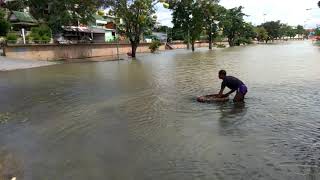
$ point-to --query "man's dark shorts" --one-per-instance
(242, 89)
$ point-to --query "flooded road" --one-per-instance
(135, 120)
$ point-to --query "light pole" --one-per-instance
(305, 23)
(118, 37)
(264, 17)
(310, 9)
(188, 45)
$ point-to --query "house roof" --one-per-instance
(22, 17)
(83, 29)
(98, 17)
(109, 16)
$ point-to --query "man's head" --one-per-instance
(222, 74)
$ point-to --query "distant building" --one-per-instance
(79, 34)
(162, 37)
(21, 20)
(106, 23)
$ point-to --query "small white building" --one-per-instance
(107, 23)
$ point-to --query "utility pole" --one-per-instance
(188, 45)
(166, 35)
(23, 35)
(117, 36)
(190, 16)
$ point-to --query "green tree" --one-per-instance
(162, 29)
(261, 33)
(101, 13)
(213, 15)
(247, 33)
(233, 24)
(136, 16)
(291, 32)
(58, 13)
(284, 29)
(273, 29)
(4, 24)
(197, 24)
(181, 18)
(41, 34)
(300, 30)
(17, 5)
(178, 34)
(317, 31)
(167, 30)
(12, 38)
(188, 18)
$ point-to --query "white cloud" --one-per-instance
(292, 12)
(164, 15)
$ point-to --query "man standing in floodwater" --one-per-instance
(234, 84)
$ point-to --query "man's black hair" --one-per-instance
(222, 72)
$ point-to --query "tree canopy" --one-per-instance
(300, 30)
(57, 13)
(213, 16)
(182, 17)
(317, 32)
(273, 29)
(233, 24)
(60, 12)
(4, 24)
(261, 33)
(137, 16)
(17, 5)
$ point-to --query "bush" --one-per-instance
(242, 40)
(41, 34)
(42, 30)
(46, 39)
(154, 46)
(28, 38)
(35, 38)
(221, 46)
(12, 38)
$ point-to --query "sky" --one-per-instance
(291, 12)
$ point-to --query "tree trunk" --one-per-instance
(133, 49)
(188, 45)
(210, 40)
(192, 46)
(231, 43)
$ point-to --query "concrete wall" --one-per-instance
(51, 52)
(180, 45)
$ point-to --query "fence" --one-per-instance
(76, 51)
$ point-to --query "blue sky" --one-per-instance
(292, 12)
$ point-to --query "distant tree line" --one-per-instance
(192, 19)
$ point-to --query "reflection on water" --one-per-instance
(9, 166)
(231, 114)
(139, 119)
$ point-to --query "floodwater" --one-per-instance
(138, 120)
